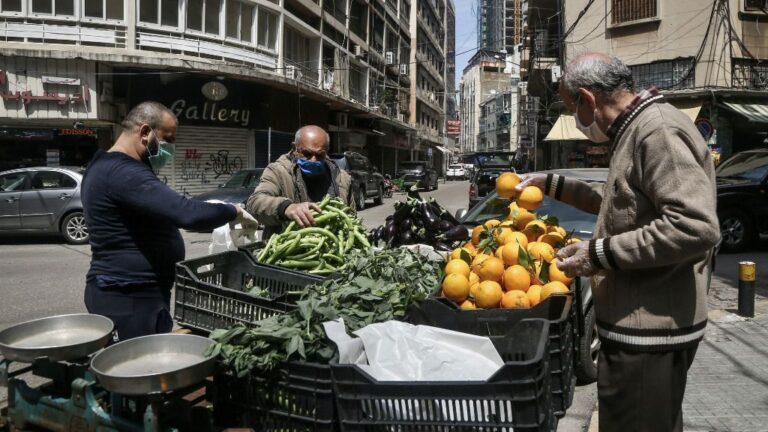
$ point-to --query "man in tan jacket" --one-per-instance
(290, 186)
(651, 251)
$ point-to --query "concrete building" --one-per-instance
(241, 75)
(707, 58)
(483, 75)
(500, 24)
(498, 121)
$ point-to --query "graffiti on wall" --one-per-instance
(195, 167)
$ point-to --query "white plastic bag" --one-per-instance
(226, 238)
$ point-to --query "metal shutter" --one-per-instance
(281, 144)
(206, 157)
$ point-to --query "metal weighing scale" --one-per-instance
(148, 384)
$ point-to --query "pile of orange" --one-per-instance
(509, 263)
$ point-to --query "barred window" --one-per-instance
(748, 73)
(756, 5)
(623, 11)
(665, 74)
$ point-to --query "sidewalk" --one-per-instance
(727, 387)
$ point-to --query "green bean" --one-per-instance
(363, 241)
(333, 257)
(263, 253)
(299, 264)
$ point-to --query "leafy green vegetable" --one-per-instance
(375, 287)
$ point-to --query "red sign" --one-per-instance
(27, 97)
(453, 127)
(77, 132)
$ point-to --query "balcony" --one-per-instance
(429, 134)
(67, 32)
(424, 62)
(430, 99)
(747, 74)
(295, 69)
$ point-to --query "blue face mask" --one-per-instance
(311, 168)
(163, 154)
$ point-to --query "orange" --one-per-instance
(456, 254)
(468, 305)
(530, 198)
(534, 229)
(553, 288)
(516, 277)
(476, 234)
(499, 253)
(505, 184)
(558, 229)
(457, 266)
(473, 278)
(507, 224)
(473, 289)
(505, 236)
(572, 240)
(541, 251)
(534, 295)
(456, 287)
(510, 253)
(470, 248)
(488, 295)
(523, 218)
(555, 274)
(491, 268)
(521, 238)
(535, 279)
(553, 239)
(477, 260)
(492, 223)
(515, 300)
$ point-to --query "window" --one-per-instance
(10, 5)
(103, 9)
(623, 11)
(239, 20)
(162, 12)
(665, 74)
(748, 73)
(52, 180)
(296, 46)
(267, 29)
(756, 5)
(203, 15)
(51, 7)
(12, 182)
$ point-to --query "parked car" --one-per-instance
(456, 171)
(367, 181)
(742, 202)
(237, 189)
(417, 173)
(573, 220)
(488, 167)
(43, 200)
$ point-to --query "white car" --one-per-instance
(456, 172)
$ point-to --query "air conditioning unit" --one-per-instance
(292, 72)
(359, 51)
(401, 117)
(390, 58)
(342, 120)
(404, 69)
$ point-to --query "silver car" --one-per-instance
(43, 200)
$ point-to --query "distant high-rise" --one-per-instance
(500, 24)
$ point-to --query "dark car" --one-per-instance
(237, 189)
(43, 200)
(488, 167)
(418, 173)
(742, 203)
(367, 182)
(581, 224)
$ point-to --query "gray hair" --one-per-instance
(601, 73)
(297, 137)
(149, 113)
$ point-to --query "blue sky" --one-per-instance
(466, 38)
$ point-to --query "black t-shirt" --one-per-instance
(133, 220)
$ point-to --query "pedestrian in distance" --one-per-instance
(134, 218)
(290, 186)
(650, 256)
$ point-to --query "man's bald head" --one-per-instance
(597, 72)
(311, 142)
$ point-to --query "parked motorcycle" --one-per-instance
(389, 186)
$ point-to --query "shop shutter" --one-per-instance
(281, 144)
(206, 157)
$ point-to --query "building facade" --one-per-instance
(241, 75)
(498, 121)
(483, 76)
(500, 24)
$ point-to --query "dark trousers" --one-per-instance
(136, 311)
(642, 392)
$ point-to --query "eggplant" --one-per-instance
(406, 224)
(445, 225)
(430, 220)
(374, 235)
(458, 232)
(390, 231)
(418, 222)
(405, 237)
(389, 218)
(442, 247)
(401, 213)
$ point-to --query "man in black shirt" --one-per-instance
(134, 218)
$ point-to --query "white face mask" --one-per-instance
(592, 131)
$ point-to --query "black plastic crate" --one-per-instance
(296, 397)
(211, 291)
(516, 397)
(558, 310)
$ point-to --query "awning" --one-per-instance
(565, 126)
(753, 112)
(565, 130)
(442, 150)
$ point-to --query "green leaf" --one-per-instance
(544, 273)
(522, 257)
(550, 220)
(466, 256)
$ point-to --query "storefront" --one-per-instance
(65, 147)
